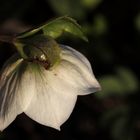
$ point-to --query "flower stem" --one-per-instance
(19, 47)
(12, 40)
(6, 39)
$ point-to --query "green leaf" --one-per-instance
(112, 115)
(137, 22)
(73, 8)
(111, 86)
(128, 78)
(122, 83)
(55, 29)
(119, 129)
(91, 3)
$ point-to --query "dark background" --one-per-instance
(113, 29)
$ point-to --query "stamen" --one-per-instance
(44, 63)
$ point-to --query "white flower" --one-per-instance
(47, 96)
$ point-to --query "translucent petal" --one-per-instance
(9, 82)
(57, 89)
(52, 103)
(16, 90)
(76, 71)
(47, 96)
(27, 85)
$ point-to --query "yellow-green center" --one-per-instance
(41, 50)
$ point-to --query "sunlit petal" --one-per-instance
(57, 89)
(52, 104)
(76, 71)
(48, 96)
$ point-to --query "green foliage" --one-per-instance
(97, 28)
(137, 22)
(99, 25)
(118, 120)
(74, 8)
(55, 29)
(120, 129)
(120, 84)
(91, 3)
(121, 115)
(128, 79)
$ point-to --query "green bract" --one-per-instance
(39, 49)
(56, 27)
(39, 44)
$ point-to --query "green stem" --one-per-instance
(19, 48)
(17, 44)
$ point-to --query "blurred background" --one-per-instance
(113, 29)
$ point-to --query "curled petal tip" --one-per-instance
(2, 126)
(1, 129)
(58, 128)
(94, 89)
(97, 86)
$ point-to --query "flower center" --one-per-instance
(43, 63)
(44, 51)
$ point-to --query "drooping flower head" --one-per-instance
(44, 78)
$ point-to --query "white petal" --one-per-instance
(16, 89)
(76, 70)
(52, 103)
(57, 89)
(9, 107)
(75, 57)
(26, 85)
